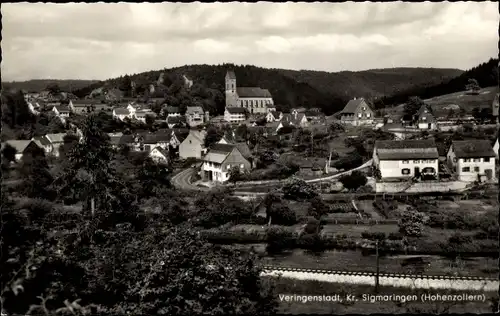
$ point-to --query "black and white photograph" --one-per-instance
(249, 158)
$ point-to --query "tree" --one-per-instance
(296, 188)
(150, 120)
(412, 106)
(126, 85)
(69, 142)
(279, 238)
(152, 179)
(8, 154)
(212, 137)
(317, 208)
(281, 215)
(53, 88)
(412, 223)
(472, 86)
(36, 175)
(235, 175)
(353, 180)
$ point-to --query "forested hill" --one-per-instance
(38, 85)
(486, 75)
(290, 88)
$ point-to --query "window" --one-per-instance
(360, 115)
(406, 161)
(364, 108)
(246, 103)
(228, 167)
(405, 171)
(242, 166)
(465, 169)
(368, 115)
(424, 118)
(486, 159)
(476, 169)
(454, 159)
(416, 161)
(477, 159)
(467, 160)
(190, 141)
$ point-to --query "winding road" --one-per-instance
(182, 180)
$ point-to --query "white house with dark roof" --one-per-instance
(357, 112)
(472, 160)
(295, 119)
(195, 115)
(425, 119)
(20, 146)
(235, 114)
(274, 116)
(254, 99)
(141, 115)
(61, 110)
(50, 143)
(172, 111)
(122, 113)
(405, 159)
(220, 159)
(159, 155)
(194, 145)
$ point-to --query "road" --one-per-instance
(182, 181)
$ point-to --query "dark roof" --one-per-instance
(235, 110)
(253, 92)
(172, 109)
(175, 119)
(406, 149)
(126, 139)
(473, 148)
(230, 74)
(276, 114)
(157, 138)
(352, 105)
(163, 151)
(85, 102)
(222, 148)
(405, 144)
(244, 150)
(121, 111)
(62, 108)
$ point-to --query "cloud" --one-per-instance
(101, 40)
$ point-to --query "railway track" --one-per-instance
(385, 279)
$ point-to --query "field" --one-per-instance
(301, 287)
(456, 101)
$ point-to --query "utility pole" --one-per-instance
(378, 268)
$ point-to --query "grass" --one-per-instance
(306, 287)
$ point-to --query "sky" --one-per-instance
(101, 40)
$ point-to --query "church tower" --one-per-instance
(231, 95)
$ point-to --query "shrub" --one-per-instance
(373, 236)
(412, 223)
(279, 239)
(395, 236)
(311, 242)
(351, 161)
(318, 208)
(296, 189)
(282, 215)
(353, 180)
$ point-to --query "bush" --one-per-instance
(279, 239)
(351, 161)
(395, 236)
(297, 189)
(373, 236)
(318, 208)
(353, 180)
(311, 242)
(282, 215)
(412, 223)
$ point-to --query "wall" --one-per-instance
(393, 168)
(396, 280)
(471, 175)
(187, 149)
(391, 187)
(259, 104)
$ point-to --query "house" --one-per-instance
(218, 162)
(313, 115)
(83, 106)
(472, 160)
(51, 143)
(195, 115)
(242, 147)
(141, 115)
(122, 113)
(21, 147)
(496, 148)
(172, 111)
(61, 110)
(295, 119)
(271, 108)
(312, 167)
(193, 146)
(273, 128)
(114, 139)
(162, 139)
(297, 111)
(253, 99)
(425, 119)
(235, 114)
(175, 121)
(403, 159)
(159, 155)
(495, 107)
(33, 107)
(357, 112)
(274, 116)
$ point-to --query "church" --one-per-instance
(254, 99)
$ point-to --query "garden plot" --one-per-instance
(356, 230)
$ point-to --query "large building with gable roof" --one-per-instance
(253, 99)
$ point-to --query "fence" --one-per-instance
(419, 187)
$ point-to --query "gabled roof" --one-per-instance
(292, 119)
(172, 109)
(56, 138)
(230, 74)
(157, 138)
(144, 113)
(472, 148)
(236, 110)
(253, 92)
(18, 145)
(62, 108)
(161, 150)
(175, 119)
(115, 138)
(194, 109)
(127, 139)
(219, 152)
(276, 114)
(406, 149)
(42, 140)
(198, 135)
(121, 111)
(352, 105)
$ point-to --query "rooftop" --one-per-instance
(473, 149)
(236, 110)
